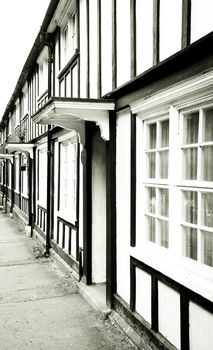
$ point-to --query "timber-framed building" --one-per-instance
(106, 158)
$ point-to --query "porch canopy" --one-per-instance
(71, 114)
(20, 147)
(5, 156)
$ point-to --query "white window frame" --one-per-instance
(43, 71)
(42, 176)
(66, 210)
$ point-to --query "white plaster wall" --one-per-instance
(144, 34)
(170, 27)
(83, 48)
(143, 294)
(98, 209)
(81, 200)
(169, 314)
(201, 328)
(93, 47)
(106, 45)
(123, 41)
(123, 203)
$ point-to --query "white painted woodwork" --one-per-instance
(93, 53)
(83, 48)
(123, 203)
(98, 209)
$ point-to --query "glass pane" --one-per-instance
(164, 233)
(207, 209)
(190, 242)
(208, 132)
(151, 199)
(190, 207)
(207, 163)
(165, 133)
(164, 201)
(164, 164)
(151, 165)
(190, 157)
(207, 248)
(201, 18)
(191, 125)
(151, 229)
(152, 136)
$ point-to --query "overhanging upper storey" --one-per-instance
(72, 113)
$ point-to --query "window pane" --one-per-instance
(151, 165)
(201, 18)
(190, 242)
(190, 207)
(151, 199)
(151, 229)
(191, 126)
(164, 164)
(207, 248)
(152, 136)
(164, 236)
(190, 158)
(165, 133)
(164, 201)
(207, 209)
(208, 133)
(207, 163)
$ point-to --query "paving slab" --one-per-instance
(40, 304)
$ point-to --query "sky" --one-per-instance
(20, 22)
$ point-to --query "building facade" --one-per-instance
(106, 157)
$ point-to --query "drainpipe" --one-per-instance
(47, 41)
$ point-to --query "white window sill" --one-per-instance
(67, 217)
(192, 274)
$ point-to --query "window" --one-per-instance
(17, 173)
(157, 192)
(69, 38)
(68, 178)
(197, 158)
(42, 177)
(24, 176)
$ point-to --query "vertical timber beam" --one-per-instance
(156, 31)
(133, 37)
(111, 283)
(186, 23)
(87, 206)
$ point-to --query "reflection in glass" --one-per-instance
(207, 163)
(207, 209)
(190, 157)
(192, 125)
(151, 199)
(190, 242)
(164, 201)
(151, 164)
(164, 236)
(207, 248)
(164, 164)
(190, 206)
(152, 136)
(208, 132)
(151, 229)
(165, 133)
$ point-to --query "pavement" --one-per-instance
(40, 304)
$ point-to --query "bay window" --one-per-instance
(157, 209)
(178, 182)
(68, 178)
